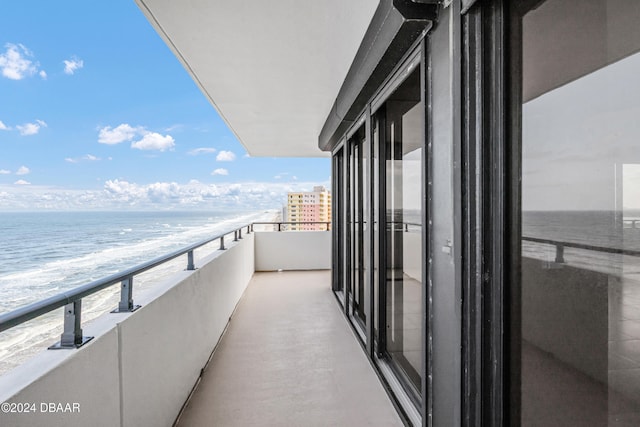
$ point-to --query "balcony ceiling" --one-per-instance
(272, 69)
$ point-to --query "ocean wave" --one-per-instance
(20, 288)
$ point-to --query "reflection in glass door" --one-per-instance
(338, 218)
(383, 162)
(377, 125)
(404, 141)
(579, 305)
(358, 190)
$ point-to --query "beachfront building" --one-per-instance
(484, 158)
(311, 209)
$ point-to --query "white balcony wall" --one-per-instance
(140, 367)
(412, 254)
(293, 250)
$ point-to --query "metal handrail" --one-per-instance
(72, 336)
(73, 296)
(281, 223)
(405, 223)
(560, 245)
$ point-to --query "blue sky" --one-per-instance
(97, 113)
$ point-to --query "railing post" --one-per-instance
(126, 297)
(72, 334)
(252, 227)
(235, 235)
(559, 253)
(222, 248)
(279, 226)
(190, 263)
(406, 227)
(239, 233)
(248, 229)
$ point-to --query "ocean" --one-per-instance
(607, 229)
(45, 253)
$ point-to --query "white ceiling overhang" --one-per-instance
(272, 69)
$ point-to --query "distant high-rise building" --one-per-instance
(309, 207)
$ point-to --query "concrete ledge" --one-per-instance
(140, 367)
(293, 250)
(87, 377)
(159, 369)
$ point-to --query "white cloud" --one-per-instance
(154, 141)
(203, 150)
(31, 128)
(225, 156)
(15, 63)
(3, 126)
(23, 170)
(197, 195)
(73, 64)
(88, 157)
(134, 194)
(220, 171)
(4, 172)
(126, 132)
(119, 134)
(173, 127)
(22, 182)
(43, 74)
(123, 195)
(286, 175)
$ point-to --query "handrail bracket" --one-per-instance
(126, 304)
(72, 335)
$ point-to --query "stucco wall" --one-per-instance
(140, 367)
(295, 250)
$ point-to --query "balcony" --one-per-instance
(253, 335)
(300, 366)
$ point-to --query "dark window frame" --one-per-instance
(491, 227)
(416, 55)
(357, 135)
(337, 252)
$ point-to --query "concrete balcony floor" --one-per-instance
(289, 358)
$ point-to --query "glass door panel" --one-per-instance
(580, 288)
(375, 205)
(404, 123)
(338, 218)
(359, 185)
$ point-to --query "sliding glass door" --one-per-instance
(359, 182)
(337, 206)
(403, 117)
(578, 311)
(383, 235)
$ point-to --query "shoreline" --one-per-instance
(19, 344)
